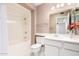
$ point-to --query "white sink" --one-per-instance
(63, 37)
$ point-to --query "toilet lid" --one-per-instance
(36, 46)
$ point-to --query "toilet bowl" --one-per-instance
(36, 48)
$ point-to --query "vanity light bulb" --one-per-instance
(58, 5)
(68, 3)
(62, 4)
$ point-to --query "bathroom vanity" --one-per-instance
(61, 45)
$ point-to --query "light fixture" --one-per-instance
(53, 8)
(68, 3)
(62, 4)
(58, 5)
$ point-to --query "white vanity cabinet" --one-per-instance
(52, 48)
(61, 48)
(70, 49)
(68, 52)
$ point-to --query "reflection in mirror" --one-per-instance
(65, 22)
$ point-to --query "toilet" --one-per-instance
(36, 48)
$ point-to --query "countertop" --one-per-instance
(60, 37)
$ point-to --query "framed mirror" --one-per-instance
(65, 22)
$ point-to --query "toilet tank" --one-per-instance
(40, 39)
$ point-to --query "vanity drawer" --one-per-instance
(72, 46)
(53, 43)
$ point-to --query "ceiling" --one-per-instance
(37, 4)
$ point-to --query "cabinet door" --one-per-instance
(51, 50)
(68, 52)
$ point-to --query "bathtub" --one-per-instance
(20, 49)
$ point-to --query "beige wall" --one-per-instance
(43, 13)
(42, 18)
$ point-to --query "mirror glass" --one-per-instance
(65, 22)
